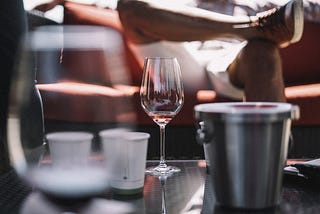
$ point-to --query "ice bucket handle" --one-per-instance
(202, 133)
(295, 112)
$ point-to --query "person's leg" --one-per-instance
(148, 21)
(258, 70)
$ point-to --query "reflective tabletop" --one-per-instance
(189, 191)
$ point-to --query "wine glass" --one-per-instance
(162, 98)
(67, 161)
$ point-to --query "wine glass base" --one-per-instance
(160, 170)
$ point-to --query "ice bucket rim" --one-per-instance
(247, 110)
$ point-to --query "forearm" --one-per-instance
(163, 20)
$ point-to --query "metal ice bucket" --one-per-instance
(247, 147)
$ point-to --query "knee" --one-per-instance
(135, 18)
(258, 60)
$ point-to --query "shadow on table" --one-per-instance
(209, 206)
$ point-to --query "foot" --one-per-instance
(282, 25)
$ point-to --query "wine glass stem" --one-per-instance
(162, 146)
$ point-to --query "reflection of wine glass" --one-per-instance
(162, 98)
(163, 179)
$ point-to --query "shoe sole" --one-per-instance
(296, 6)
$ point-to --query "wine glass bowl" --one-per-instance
(162, 98)
(66, 161)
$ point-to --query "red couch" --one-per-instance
(301, 74)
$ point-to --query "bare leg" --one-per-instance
(147, 21)
(258, 70)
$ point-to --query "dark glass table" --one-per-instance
(188, 192)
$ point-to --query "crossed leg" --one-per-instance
(257, 69)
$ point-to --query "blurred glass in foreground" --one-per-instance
(77, 71)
